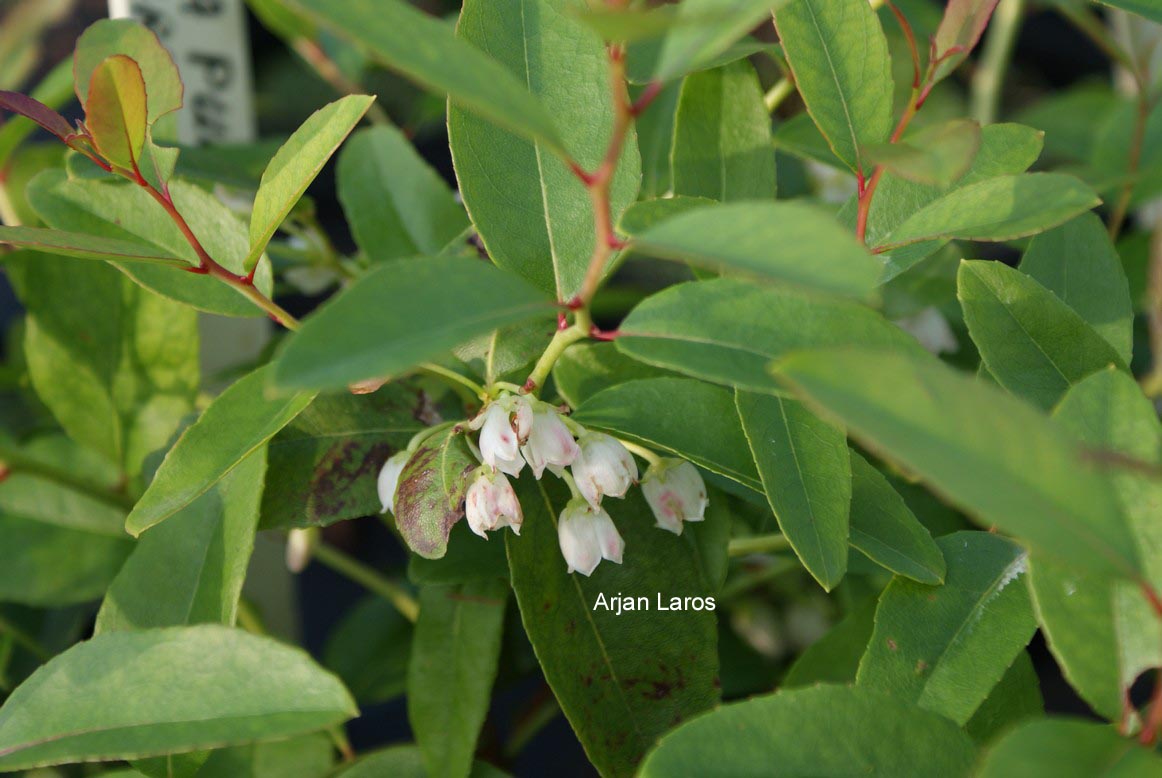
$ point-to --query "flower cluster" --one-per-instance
(514, 431)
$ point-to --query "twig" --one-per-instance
(994, 60)
(761, 544)
(352, 568)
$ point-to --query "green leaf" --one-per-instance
(396, 205)
(82, 246)
(324, 464)
(295, 166)
(116, 365)
(430, 496)
(997, 209)
(1103, 633)
(469, 558)
(785, 241)
(235, 425)
(885, 530)
(1147, 9)
(1032, 343)
(806, 474)
(645, 214)
(959, 31)
(193, 687)
(702, 30)
(623, 680)
(1078, 263)
(370, 648)
(655, 140)
(33, 109)
(108, 37)
(507, 353)
(425, 50)
(973, 444)
(797, 730)
(309, 756)
(1062, 748)
(190, 569)
(722, 136)
(839, 57)
(533, 214)
(799, 137)
(739, 328)
(115, 111)
(454, 656)
(834, 658)
(400, 314)
(937, 155)
(587, 368)
(123, 212)
(47, 565)
(404, 762)
(644, 411)
(1015, 699)
(944, 648)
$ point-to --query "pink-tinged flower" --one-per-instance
(603, 467)
(491, 504)
(388, 482)
(550, 443)
(587, 536)
(675, 492)
(500, 435)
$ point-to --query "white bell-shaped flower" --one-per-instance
(550, 443)
(491, 504)
(499, 437)
(587, 535)
(603, 467)
(388, 482)
(675, 492)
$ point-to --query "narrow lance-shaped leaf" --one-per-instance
(430, 497)
(1055, 747)
(194, 687)
(295, 166)
(959, 31)
(839, 56)
(239, 421)
(400, 314)
(944, 648)
(1035, 345)
(783, 241)
(425, 49)
(115, 111)
(806, 474)
(997, 209)
(935, 156)
(990, 454)
(38, 112)
(82, 246)
(453, 664)
(1147, 9)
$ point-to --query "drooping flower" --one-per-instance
(587, 535)
(675, 492)
(603, 467)
(491, 504)
(550, 444)
(388, 482)
(504, 425)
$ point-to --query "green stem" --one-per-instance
(779, 565)
(371, 580)
(582, 324)
(1133, 162)
(775, 96)
(451, 375)
(989, 78)
(641, 451)
(761, 544)
(15, 462)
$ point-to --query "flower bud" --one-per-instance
(388, 482)
(550, 443)
(675, 492)
(603, 467)
(499, 439)
(491, 504)
(587, 535)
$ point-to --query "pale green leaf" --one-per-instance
(1065, 748)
